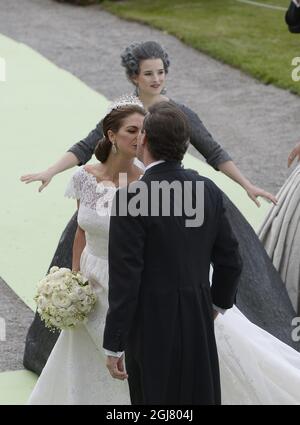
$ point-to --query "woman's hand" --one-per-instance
(45, 177)
(67, 161)
(254, 191)
(295, 153)
(231, 170)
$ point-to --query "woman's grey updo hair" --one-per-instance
(137, 52)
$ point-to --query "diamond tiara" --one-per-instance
(124, 101)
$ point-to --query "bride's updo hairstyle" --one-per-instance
(113, 121)
(137, 52)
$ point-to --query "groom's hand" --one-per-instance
(115, 365)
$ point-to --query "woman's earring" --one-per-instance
(136, 91)
(164, 91)
(113, 148)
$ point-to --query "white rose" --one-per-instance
(65, 270)
(53, 269)
(42, 302)
(47, 289)
(59, 274)
(72, 310)
(60, 299)
(74, 297)
(64, 313)
(62, 286)
(42, 282)
(80, 293)
(82, 307)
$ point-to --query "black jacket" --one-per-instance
(160, 299)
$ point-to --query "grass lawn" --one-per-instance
(252, 38)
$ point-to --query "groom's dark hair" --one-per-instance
(167, 131)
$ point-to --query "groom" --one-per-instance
(161, 305)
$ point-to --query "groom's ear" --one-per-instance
(144, 140)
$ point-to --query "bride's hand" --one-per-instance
(45, 177)
(254, 191)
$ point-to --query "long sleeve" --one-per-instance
(84, 149)
(226, 261)
(203, 141)
(126, 260)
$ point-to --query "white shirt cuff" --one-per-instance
(219, 309)
(296, 3)
(113, 353)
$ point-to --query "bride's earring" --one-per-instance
(113, 148)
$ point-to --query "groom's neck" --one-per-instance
(148, 158)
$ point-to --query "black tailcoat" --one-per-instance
(160, 299)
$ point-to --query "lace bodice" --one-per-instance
(94, 210)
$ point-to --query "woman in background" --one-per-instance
(280, 232)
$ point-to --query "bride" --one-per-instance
(75, 372)
(256, 368)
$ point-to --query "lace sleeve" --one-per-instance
(73, 189)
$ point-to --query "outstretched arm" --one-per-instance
(231, 170)
(68, 160)
(218, 158)
(78, 154)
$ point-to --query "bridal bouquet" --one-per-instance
(64, 299)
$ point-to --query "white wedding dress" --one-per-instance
(256, 368)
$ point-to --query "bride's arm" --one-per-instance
(78, 247)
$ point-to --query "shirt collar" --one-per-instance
(153, 164)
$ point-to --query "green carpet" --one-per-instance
(16, 386)
(43, 111)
